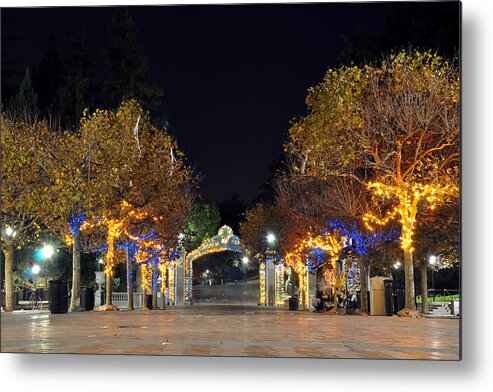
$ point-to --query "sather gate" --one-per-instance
(272, 273)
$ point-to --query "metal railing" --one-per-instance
(434, 293)
(120, 300)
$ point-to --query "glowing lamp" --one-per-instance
(47, 251)
(10, 232)
(35, 269)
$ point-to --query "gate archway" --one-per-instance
(225, 240)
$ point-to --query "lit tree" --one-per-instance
(415, 106)
(395, 128)
(68, 192)
(142, 178)
(19, 180)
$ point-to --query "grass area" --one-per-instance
(440, 298)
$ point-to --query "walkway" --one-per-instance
(209, 330)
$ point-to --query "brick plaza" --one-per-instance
(213, 330)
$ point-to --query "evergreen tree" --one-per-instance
(24, 105)
(74, 94)
(10, 63)
(232, 211)
(203, 222)
(47, 80)
(128, 66)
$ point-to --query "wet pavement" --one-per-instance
(213, 330)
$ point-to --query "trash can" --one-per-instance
(58, 296)
(399, 298)
(388, 294)
(87, 298)
(293, 303)
(377, 296)
(149, 301)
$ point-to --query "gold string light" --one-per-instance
(171, 283)
(279, 278)
(331, 243)
(408, 196)
(262, 300)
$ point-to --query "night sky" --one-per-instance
(233, 76)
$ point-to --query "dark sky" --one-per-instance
(233, 76)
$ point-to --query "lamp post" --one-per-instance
(269, 270)
(396, 266)
(35, 270)
(433, 260)
(46, 252)
(245, 260)
(271, 238)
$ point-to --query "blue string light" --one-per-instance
(361, 242)
(75, 222)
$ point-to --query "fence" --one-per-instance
(120, 300)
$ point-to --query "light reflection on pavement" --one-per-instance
(221, 330)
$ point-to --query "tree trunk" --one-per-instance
(130, 291)
(154, 285)
(154, 300)
(363, 286)
(409, 280)
(75, 299)
(294, 282)
(424, 287)
(303, 290)
(109, 289)
(143, 288)
(8, 251)
(109, 268)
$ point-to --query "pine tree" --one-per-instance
(74, 94)
(47, 80)
(24, 105)
(128, 66)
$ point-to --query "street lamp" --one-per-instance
(47, 251)
(433, 261)
(35, 270)
(271, 238)
(245, 260)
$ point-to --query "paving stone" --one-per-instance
(231, 331)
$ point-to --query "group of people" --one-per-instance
(325, 300)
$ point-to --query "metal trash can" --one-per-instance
(58, 296)
(149, 301)
(293, 303)
(103, 297)
(388, 295)
(87, 298)
(399, 298)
